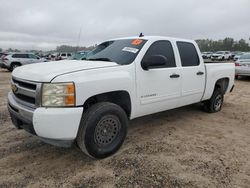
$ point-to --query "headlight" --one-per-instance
(58, 95)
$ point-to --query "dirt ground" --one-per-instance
(185, 147)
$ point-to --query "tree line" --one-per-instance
(67, 48)
(228, 44)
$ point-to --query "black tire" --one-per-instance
(237, 77)
(103, 129)
(215, 103)
(14, 65)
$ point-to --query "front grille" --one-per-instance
(26, 98)
(24, 84)
(26, 92)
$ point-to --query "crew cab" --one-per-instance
(90, 102)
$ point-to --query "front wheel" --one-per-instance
(14, 66)
(214, 104)
(103, 129)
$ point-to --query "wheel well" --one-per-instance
(222, 84)
(120, 98)
(17, 63)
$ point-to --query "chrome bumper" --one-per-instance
(21, 116)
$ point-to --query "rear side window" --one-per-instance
(188, 54)
(163, 48)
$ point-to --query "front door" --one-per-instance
(159, 87)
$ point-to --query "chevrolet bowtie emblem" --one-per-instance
(14, 88)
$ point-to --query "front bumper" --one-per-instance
(56, 126)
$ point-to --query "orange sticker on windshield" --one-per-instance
(136, 42)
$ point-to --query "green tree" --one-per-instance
(226, 44)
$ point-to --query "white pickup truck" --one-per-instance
(90, 102)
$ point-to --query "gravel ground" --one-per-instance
(185, 147)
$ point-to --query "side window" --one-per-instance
(24, 56)
(20, 56)
(163, 48)
(69, 55)
(31, 56)
(63, 54)
(15, 56)
(188, 53)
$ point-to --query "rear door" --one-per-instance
(193, 73)
(157, 88)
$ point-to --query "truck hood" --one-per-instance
(45, 72)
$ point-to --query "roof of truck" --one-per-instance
(155, 38)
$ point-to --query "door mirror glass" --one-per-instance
(154, 61)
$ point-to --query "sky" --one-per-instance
(43, 25)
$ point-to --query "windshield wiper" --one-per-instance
(100, 59)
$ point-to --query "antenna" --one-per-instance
(79, 38)
(141, 35)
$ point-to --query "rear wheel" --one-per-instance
(103, 129)
(214, 104)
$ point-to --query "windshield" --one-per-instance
(219, 52)
(122, 51)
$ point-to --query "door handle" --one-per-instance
(174, 76)
(200, 73)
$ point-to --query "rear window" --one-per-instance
(188, 54)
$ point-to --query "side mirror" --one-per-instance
(154, 61)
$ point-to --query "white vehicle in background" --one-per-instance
(237, 55)
(206, 55)
(63, 56)
(14, 60)
(242, 66)
(221, 55)
(90, 102)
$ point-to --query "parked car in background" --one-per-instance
(237, 55)
(206, 55)
(14, 60)
(242, 66)
(221, 55)
(63, 56)
(80, 55)
(2, 55)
